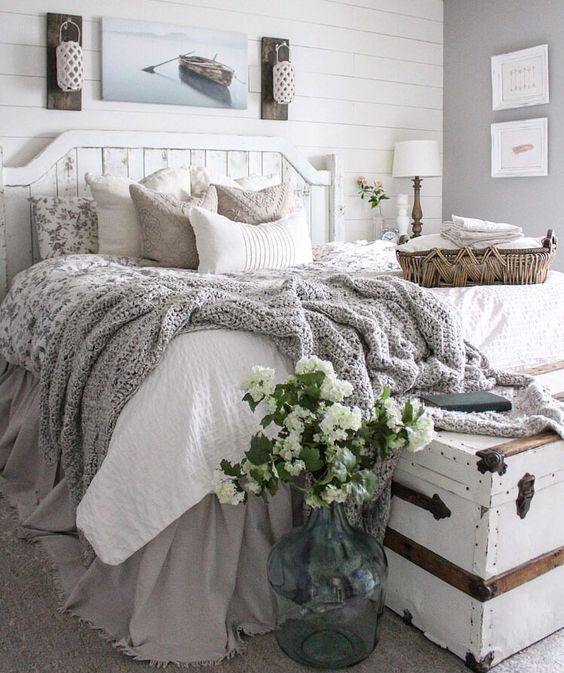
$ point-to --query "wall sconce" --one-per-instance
(65, 62)
(278, 78)
(70, 60)
(283, 79)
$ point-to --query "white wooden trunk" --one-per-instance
(482, 581)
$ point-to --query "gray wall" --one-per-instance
(475, 30)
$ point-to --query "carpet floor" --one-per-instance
(36, 638)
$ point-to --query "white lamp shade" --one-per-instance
(416, 157)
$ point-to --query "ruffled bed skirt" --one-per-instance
(186, 596)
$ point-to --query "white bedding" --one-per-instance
(188, 413)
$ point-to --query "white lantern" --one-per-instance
(283, 79)
(70, 61)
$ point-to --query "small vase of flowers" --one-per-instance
(374, 193)
(327, 578)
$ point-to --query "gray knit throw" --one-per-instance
(376, 332)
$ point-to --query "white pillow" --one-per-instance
(255, 183)
(172, 181)
(201, 178)
(431, 241)
(226, 246)
(118, 228)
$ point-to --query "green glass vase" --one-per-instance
(328, 582)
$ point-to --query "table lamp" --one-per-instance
(416, 159)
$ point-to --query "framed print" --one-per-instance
(520, 78)
(149, 62)
(520, 149)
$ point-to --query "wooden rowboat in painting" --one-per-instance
(209, 68)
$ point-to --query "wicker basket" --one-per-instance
(489, 266)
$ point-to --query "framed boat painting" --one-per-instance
(149, 62)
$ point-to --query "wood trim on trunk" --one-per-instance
(542, 369)
(521, 444)
(470, 584)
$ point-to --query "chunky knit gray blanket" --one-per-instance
(377, 332)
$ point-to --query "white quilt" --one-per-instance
(188, 413)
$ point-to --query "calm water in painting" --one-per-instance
(129, 46)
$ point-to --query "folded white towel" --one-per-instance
(471, 224)
(430, 241)
(474, 233)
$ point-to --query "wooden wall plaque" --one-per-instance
(57, 99)
(269, 108)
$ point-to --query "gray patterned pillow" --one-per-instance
(252, 207)
(65, 226)
(166, 232)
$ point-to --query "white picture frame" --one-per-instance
(520, 78)
(520, 148)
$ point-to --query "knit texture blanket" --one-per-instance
(376, 332)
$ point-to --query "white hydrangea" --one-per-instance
(252, 486)
(397, 443)
(291, 446)
(333, 494)
(313, 500)
(337, 420)
(226, 489)
(335, 390)
(393, 410)
(260, 383)
(271, 405)
(314, 364)
(295, 468)
(294, 421)
(421, 434)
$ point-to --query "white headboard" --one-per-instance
(60, 168)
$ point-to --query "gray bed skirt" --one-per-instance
(187, 596)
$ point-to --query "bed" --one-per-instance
(175, 573)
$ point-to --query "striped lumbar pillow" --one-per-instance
(225, 246)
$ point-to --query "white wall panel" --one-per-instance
(369, 73)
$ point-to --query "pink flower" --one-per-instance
(361, 181)
(380, 184)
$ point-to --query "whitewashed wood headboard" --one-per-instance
(60, 168)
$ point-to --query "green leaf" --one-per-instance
(283, 472)
(311, 458)
(347, 458)
(311, 378)
(408, 413)
(231, 470)
(273, 486)
(249, 400)
(267, 420)
(261, 449)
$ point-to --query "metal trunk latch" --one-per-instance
(491, 460)
(525, 494)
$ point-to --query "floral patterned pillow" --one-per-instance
(65, 226)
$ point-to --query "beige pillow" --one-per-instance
(266, 205)
(225, 246)
(166, 232)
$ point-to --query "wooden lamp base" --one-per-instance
(416, 213)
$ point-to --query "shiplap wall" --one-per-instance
(369, 72)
